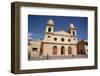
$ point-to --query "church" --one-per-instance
(58, 43)
(55, 43)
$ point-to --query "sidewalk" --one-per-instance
(59, 57)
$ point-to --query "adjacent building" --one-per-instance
(82, 47)
(34, 48)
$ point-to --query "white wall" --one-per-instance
(5, 33)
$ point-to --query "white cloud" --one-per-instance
(30, 35)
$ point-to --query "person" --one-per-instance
(47, 57)
(72, 55)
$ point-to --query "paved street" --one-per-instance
(58, 57)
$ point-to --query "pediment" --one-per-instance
(62, 32)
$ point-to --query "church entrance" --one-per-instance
(62, 50)
(54, 50)
(69, 50)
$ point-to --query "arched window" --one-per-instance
(49, 29)
(69, 50)
(73, 33)
(54, 50)
(62, 50)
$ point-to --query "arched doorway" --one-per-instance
(69, 50)
(54, 50)
(62, 50)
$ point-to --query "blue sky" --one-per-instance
(37, 24)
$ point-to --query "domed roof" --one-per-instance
(50, 22)
(72, 25)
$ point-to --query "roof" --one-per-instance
(72, 25)
(62, 32)
(50, 22)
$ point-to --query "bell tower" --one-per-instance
(49, 30)
(72, 30)
(50, 26)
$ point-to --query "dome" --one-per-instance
(72, 26)
(50, 22)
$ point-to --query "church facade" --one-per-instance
(59, 43)
(55, 43)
